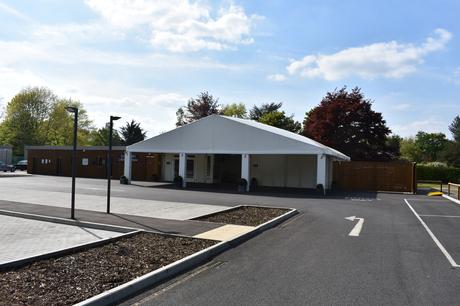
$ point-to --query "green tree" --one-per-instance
(430, 145)
(454, 128)
(100, 137)
(131, 133)
(271, 114)
(202, 106)
(451, 153)
(234, 110)
(58, 129)
(25, 116)
(258, 111)
(393, 144)
(280, 120)
(410, 151)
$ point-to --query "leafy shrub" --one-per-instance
(435, 171)
(435, 164)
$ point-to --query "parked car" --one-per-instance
(21, 165)
(4, 167)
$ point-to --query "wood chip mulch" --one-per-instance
(245, 215)
(74, 278)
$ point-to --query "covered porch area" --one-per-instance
(259, 170)
(238, 152)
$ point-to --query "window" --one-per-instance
(176, 167)
(208, 165)
(101, 161)
(190, 168)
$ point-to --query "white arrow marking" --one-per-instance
(358, 227)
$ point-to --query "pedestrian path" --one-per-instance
(21, 238)
(119, 205)
(178, 227)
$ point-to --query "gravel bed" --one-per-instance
(245, 215)
(73, 278)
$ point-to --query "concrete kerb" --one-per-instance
(155, 277)
(451, 199)
(234, 208)
(86, 224)
(62, 252)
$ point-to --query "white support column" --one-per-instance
(245, 166)
(321, 171)
(127, 170)
(183, 168)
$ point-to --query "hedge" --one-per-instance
(444, 174)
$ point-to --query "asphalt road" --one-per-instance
(311, 259)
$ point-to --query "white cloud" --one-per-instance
(101, 98)
(385, 59)
(429, 125)
(401, 107)
(19, 52)
(457, 72)
(15, 80)
(276, 77)
(179, 25)
(12, 11)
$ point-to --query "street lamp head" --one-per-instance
(113, 118)
(71, 109)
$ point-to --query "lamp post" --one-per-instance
(109, 161)
(73, 110)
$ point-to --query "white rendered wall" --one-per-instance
(200, 168)
(321, 170)
(128, 166)
(296, 171)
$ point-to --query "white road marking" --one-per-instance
(436, 241)
(358, 227)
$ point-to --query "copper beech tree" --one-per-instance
(345, 121)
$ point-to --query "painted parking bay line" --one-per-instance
(358, 227)
(435, 239)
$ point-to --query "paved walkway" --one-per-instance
(21, 238)
(185, 227)
(119, 205)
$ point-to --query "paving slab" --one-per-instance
(119, 205)
(21, 238)
(225, 232)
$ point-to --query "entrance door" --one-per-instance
(59, 166)
(152, 168)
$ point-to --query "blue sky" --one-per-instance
(143, 59)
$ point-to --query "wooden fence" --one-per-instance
(396, 176)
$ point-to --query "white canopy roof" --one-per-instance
(228, 135)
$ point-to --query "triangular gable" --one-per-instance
(226, 135)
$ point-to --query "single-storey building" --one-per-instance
(6, 154)
(91, 162)
(221, 149)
